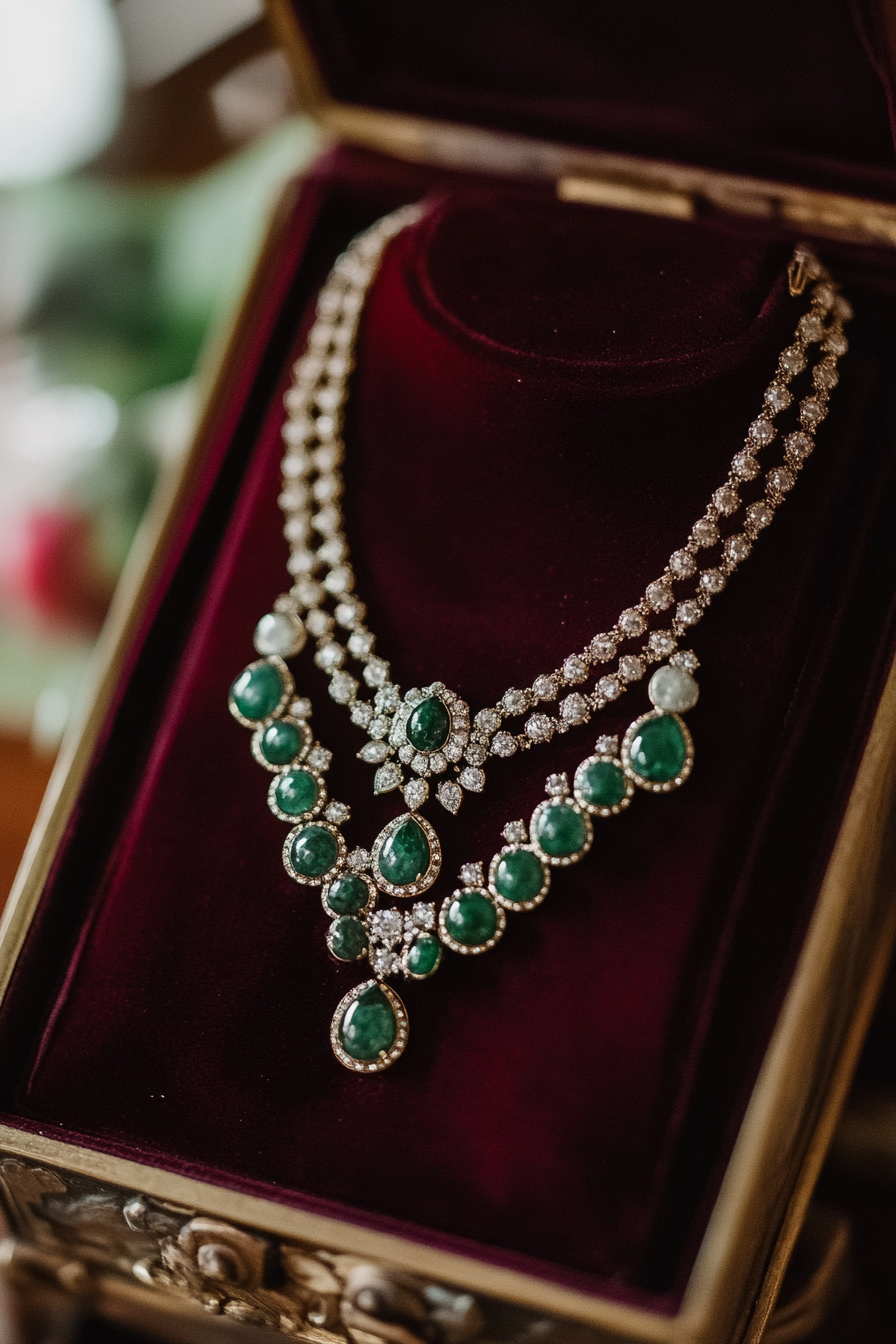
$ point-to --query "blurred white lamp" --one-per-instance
(61, 76)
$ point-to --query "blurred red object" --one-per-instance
(50, 569)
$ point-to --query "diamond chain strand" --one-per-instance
(311, 495)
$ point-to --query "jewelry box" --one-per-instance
(609, 1126)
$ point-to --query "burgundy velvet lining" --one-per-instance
(513, 480)
(752, 86)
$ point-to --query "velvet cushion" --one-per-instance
(546, 395)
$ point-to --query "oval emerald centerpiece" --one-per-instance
(429, 725)
(258, 690)
(405, 854)
(314, 851)
(658, 749)
(424, 954)
(368, 1028)
(561, 831)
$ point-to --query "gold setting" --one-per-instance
(592, 808)
(344, 871)
(307, 740)
(295, 818)
(561, 860)
(288, 692)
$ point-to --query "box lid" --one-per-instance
(798, 92)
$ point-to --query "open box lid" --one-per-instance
(783, 111)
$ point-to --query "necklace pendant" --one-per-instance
(407, 857)
(370, 1028)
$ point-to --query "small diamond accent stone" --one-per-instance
(745, 466)
(387, 778)
(349, 611)
(661, 643)
(798, 445)
(379, 727)
(726, 499)
(793, 360)
(673, 689)
(812, 412)
(337, 813)
(825, 376)
(737, 548)
(420, 763)
(688, 613)
(712, 581)
(471, 875)
(406, 753)
(454, 748)
(631, 622)
(574, 709)
(319, 758)
(318, 623)
(631, 668)
(606, 745)
(759, 516)
(488, 721)
(361, 714)
(476, 753)
(376, 672)
(705, 532)
(682, 564)
(824, 295)
(450, 796)
(659, 596)
(761, 433)
(781, 480)
(836, 343)
(473, 779)
(358, 860)
(416, 792)
(342, 687)
(539, 728)
(373, 752)
(308, 592)
(545, 687)
(515, 833)
(437, 762)
(384, 961)
(504, 744)
(685, 658)
(414, 696)
(387, 699)
(360, 642)
(332, 551)
(514, 702)
(301, 708)
(330, 655)
(843, 309)
(575, 670)
(777, 398)
(423, 915)
(387, 926)
(603, 648)
(557, 786)
(609, 688)
(811, 327)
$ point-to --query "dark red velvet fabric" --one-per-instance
(754, 86)
(545, 397)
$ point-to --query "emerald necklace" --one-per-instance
(426, 742)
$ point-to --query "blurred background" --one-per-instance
(142, 146)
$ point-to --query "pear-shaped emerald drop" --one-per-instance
(368, 1028)
(429, 725)
(405, 854)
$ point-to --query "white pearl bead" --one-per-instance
(277, 633)
(673, 689)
